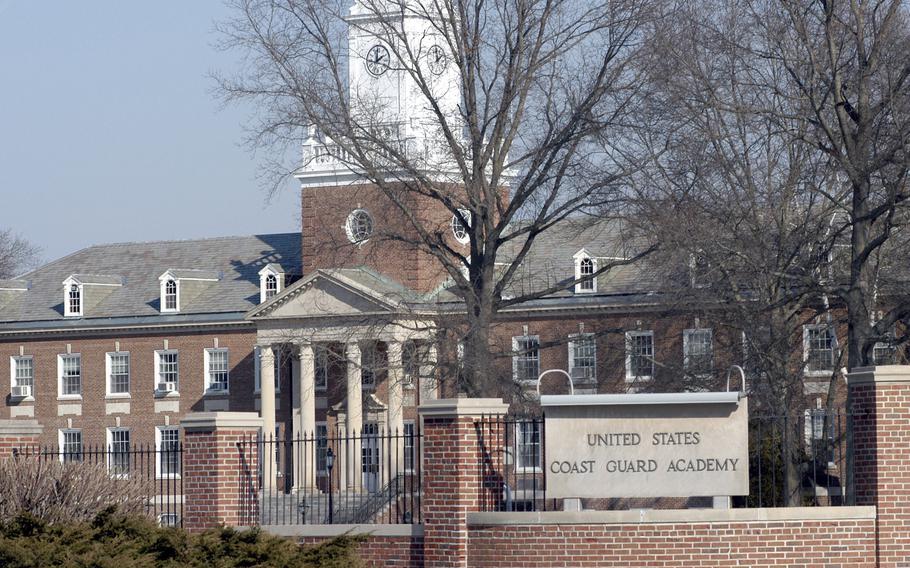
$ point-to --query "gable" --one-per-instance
(319, 297)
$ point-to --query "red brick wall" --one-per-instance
(386, 551)
(784, 543)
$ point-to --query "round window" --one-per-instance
(459, 229)
(359, 226)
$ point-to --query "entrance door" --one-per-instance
(369, 457)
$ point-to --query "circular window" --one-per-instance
(459, 229)
(359, 226)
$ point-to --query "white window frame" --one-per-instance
(264, 276)
(458, 226)
(207, 359)
(14, 381)
(628, 348)
(404, 446)
(108, 374)
(575, 338)
(158, 355)
(257, 363)
(807, 329)
(687, 343)
(519, 436)
(110, 452)
(61, 444)
(588, 286)
(67, 306)
(516, 357)
(159, 454)
(164, 281)
(60, 395)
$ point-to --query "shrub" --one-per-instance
(118, 541)
(55, 492)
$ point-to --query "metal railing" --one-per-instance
(513, 473)
(156, 470)
(369, 477)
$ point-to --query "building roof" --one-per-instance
(232, 262)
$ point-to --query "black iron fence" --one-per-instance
(372, 476)
(795, 460)
(152, 470)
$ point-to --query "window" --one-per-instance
(257, 362)
(70, 445)
(322, 447)
(368, 361)
(583, 358)
(73, 300)
(410, 364)
(639, 355)
(168, 520)
(321, 379)
(408, 446)
(167, 370)
(526, 361)
(884, 353)
(459, 229)
(22, 376)
(818, 345)
(118, 373)
(216, 364)
(118, 441)
(70, 375)
(359, 226)
(698, 351)
(167, 445)
(585, 267)
(170, 295)
(271, 286)
(527, 441)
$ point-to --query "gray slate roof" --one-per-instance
(237, 260)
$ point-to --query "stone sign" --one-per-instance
(646, 445)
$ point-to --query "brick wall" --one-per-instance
(386, 551)
(753, 544)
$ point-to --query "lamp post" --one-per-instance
(329, 464)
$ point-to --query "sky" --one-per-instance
(110, 132)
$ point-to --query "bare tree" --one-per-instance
(516, 121)
(16, 254)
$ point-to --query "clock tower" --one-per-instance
(347, 221)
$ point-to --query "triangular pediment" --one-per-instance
(320, 296)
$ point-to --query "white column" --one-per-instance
(307, 393)
(267, 393)
(354, 420)
(429, 382)
(396, 410)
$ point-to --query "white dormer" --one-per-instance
(72, 297)
(585, 265)
(178, 287)
(271, 281)
(82, 292)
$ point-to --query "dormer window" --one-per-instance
(271, 282)
(74, 300)
(170, 296)
(585, 267)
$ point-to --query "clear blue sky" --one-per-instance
(109, 131)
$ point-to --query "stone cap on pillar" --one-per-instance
(209, 421)
(20, 428)
(881, 375)
(462, 407)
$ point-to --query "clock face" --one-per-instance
(378, 60)
(436, 59)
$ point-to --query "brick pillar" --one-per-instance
(880, 404)
(456, 471)
(220, 469)
(18, 435)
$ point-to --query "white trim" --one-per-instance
(107, 374)
(572, 339)
(207, 372)
(12, 376)
(687, 334)
(60, 395)
(110, 451)
(580, 287)
(159, 454)
(163, 289)
(628, 352)
(515, 356)
(466, 213)
(818, 372)
(61, 443)
(404, 450)
(279, 282)
(158, 354)
(350, 232)
(518, 436)
(80, 289)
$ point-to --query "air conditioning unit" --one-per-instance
(167, 387)
(22, 391)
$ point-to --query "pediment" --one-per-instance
(320, 296)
